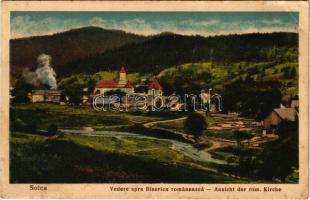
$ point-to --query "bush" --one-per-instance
(195, 124)
(293, 177)
(61, 135)
(31, 126)
(17, 124)
(52, 129)
(240, 135)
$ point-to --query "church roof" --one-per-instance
(106, 84)
(155, 85)
(123, 69)
(129, 85)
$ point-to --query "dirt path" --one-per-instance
(149, 124)
(219, 143)
(216, 143)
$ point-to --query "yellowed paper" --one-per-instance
(226, 184)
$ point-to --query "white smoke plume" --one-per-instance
(45, 73)
(31, 77)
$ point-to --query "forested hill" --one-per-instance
(160, 51)
(92, 49)
(67, 46)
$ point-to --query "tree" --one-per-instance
(288, 72)
(74, 92)
(195, 124)
(293, 72)
(117, 92)
(20, 91)
(52, 129)
(280, 157)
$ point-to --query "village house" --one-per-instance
(44, 96)
(279, 115)
(155, 89)
(295, 104)
(148, 95)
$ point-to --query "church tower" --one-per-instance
(122, 77)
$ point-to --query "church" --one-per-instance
(126, 86)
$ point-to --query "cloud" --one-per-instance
(24, 26)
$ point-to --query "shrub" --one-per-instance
(17, 124)
(52, 129)
(240, 135)
(31, 126)
(195, 124)
(61, 135)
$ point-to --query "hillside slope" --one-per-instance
(67, 46)
(164, 50)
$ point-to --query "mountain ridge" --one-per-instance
(66, 46)
(156, 53)
(92, 49)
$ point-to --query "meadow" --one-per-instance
(156, 155)
(38, 157)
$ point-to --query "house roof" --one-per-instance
(155, 85)
(289, 114)
(106, 84)
(123, 69)
(129, 85)
(295, 103)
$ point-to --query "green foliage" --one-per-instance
(105, 75)
(195, 124)
(73, 87)
(187, 78)
(253, 89)
(280, 157)
(17, 124)
(52, 129)
(27, 124)
(288, 72)
(31, 126)
(242, 161)
(76, 159)
(20, 91)
(159, 52)
(251, 98)
(241, 135)
(136, 78)
(74, 94)
(115, 92)
(293, 177)
(83, 116)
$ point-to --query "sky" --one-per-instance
(25, 24)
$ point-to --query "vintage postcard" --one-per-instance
(162, 100)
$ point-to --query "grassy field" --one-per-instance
(73, 158)
(37, 157)
(223, 75)
(44, 114)
(225, 134)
